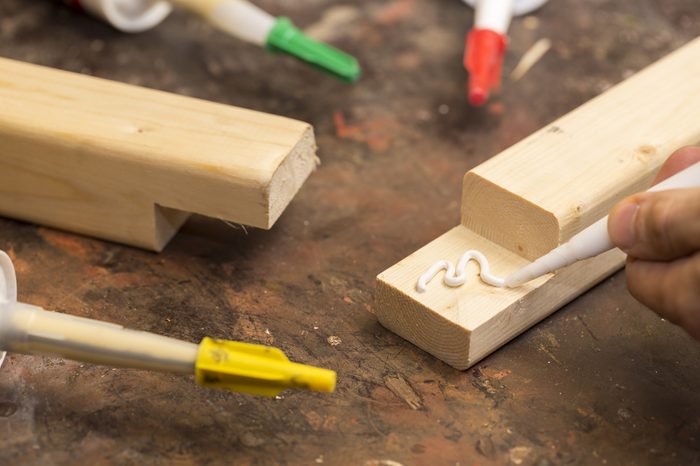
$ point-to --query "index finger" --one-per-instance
(679, 160)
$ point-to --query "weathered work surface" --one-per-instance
(603, 381)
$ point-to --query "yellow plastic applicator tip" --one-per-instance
(255, 369)
(314, 378)
(285, 37)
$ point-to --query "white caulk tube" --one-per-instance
(493, 14)
(128, 15)
(32, 330)
(239, 18)
(595, 239)
(519, 7)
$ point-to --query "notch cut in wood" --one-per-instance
(534, 196)
(130, 164)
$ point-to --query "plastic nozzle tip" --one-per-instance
(285, 37)
(483, 59)
(513, 281)
(256, 369)
(478, 96)
(315, 378)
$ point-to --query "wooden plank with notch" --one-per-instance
(129, 164)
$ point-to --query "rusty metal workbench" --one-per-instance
(603, 381)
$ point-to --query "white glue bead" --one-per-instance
(457, 276)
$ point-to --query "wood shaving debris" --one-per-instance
(334, 340)
(532, 56)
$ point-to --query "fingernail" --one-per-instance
(621, 226)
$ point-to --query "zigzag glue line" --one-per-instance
(458, 276)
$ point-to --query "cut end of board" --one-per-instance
(507, 219)
(462, 325)
(291, 175)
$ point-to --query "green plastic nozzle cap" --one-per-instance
(286, 38)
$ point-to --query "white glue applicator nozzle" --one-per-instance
(595, 239)
(29, 329)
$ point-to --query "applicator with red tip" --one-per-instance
(486, 44)
(483, 59)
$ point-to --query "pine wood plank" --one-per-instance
(534, 196)
(129, 164)
(462, 325)
(562, 178)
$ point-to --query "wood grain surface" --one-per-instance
(129, 164)
(562, 178)
(602, 381)
(533, 197)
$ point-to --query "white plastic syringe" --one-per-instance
(239, 18)
(595, 239)
(231, 365)
(29, 329)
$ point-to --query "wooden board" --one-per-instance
(129, 164)
(460, 325)
(562, 178)
(535, 195)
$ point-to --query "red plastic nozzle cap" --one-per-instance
(477, 95)
(483, 59)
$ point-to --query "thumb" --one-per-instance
(661, 225)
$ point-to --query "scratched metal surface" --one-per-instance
(603, 381)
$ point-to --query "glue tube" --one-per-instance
(29, 329)
(127, 15)
(230, 365)
(239, 18)
(486, 43)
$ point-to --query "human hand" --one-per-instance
(660, 232)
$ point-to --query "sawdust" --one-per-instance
(403, 390)
(332, 23)
(334, 340)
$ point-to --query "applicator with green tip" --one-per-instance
(247, 22)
